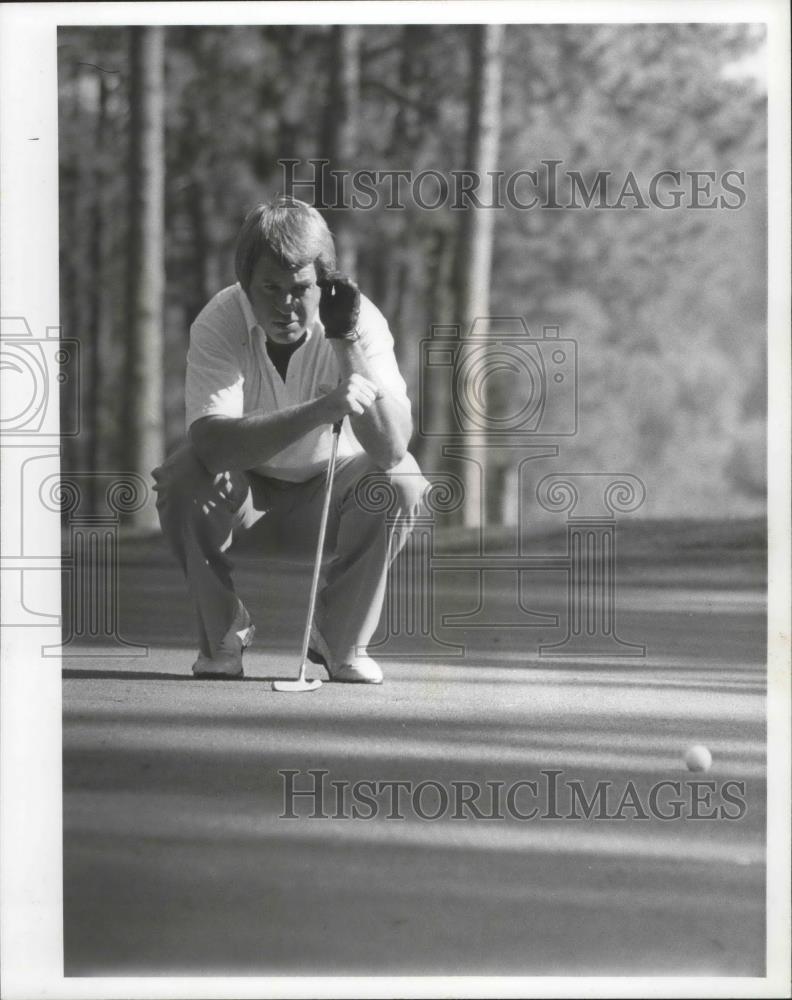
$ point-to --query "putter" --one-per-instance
(301, 684)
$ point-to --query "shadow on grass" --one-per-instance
(152, 675)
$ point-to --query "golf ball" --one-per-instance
(698, 758)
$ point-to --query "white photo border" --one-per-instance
(31, 931)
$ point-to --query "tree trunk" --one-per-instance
(101, 316)
(75, 182)
(406, 123)
(201, 250)
(340, 140)
(439, 309)
(476, 228)
(144, 423)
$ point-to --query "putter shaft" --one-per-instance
(301, 684)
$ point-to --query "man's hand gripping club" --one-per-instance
(380, 424)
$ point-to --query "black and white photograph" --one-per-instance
(396, 480)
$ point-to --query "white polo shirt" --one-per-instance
(230, 373)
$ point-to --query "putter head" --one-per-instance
(301, 684)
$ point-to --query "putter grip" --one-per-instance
(337, 426)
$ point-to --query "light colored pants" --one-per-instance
(203, 514)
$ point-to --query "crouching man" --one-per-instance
(274, 361)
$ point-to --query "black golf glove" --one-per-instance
(339, 307)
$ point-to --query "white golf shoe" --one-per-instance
(363, 671)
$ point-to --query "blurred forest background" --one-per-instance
(169, 135)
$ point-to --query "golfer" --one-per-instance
(274, 361)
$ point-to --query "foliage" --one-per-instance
(668, 307)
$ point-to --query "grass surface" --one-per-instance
(176, 860)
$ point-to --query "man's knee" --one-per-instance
(182, 477)
(388, 492)
(408, 482)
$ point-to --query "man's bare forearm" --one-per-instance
(231, 444)
(385, 428)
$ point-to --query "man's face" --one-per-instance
(285, 301)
